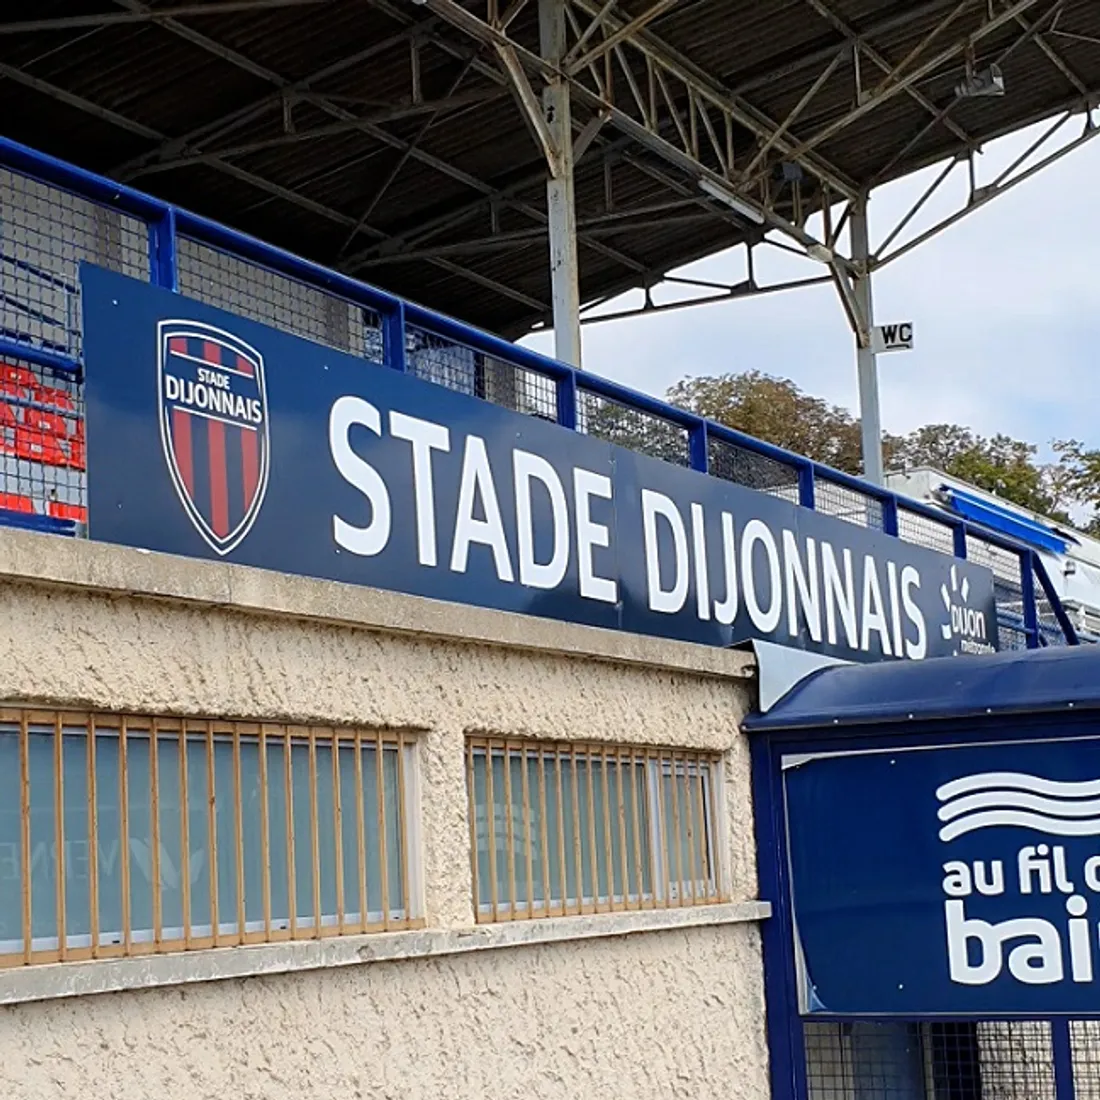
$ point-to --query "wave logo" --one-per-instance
(989, 799)
(965, 625)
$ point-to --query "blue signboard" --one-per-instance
(948, 881)
(214, 436)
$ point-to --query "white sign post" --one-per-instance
(892, 337)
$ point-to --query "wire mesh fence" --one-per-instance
(219, 279)
(457, 366)
(930, 1061)
(45, 234)
(743, 466)
(846, 503)
(632, 428)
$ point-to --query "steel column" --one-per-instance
(869, 417)
(560, 208)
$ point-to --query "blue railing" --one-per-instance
(576, 399)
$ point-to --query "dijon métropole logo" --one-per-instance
(966, 627)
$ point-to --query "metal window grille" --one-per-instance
(228, 282)
(749, 468)
(634, 429)
(929, 1061)
(134, 835)
(567, 829)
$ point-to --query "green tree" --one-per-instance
(777, 411)
(998, 464)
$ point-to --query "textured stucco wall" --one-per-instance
(674, 1013)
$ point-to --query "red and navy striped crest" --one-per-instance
(213, 425)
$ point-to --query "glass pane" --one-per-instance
(277, 838)
(171, 836)
(481, 830)
(140, 839)
(226, 824)
(326, 831)
(537, 822)
(642, 814)
(304, 796)
(395, 841)
(78, 907)
(109, 838)
(11, 869)
(374, 851)
(198, 829)
(571, 827)
(43, 838)
(349, 834)
(252, 812)
(517, 870)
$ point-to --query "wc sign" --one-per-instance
(898, 337)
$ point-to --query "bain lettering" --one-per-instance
(1038, 956)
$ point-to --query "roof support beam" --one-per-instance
(895, 83)
(860, 44)
(709, 91)
(408, 149)
(184, 11)
(645, 132)
(285, 193)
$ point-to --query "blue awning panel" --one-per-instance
(1019, 681)
(1004, 521)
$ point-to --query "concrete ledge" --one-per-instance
(48, 560)
(44, 983)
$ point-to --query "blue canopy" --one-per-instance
(1019, 681)
(1005, 520)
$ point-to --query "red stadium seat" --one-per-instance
(12, 502)
(60, 510)
(40, 438)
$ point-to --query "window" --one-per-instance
(561, 829)
(124, 836)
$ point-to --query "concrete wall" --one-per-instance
(618, 1005)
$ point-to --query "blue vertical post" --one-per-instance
(1062, 1048)
(567, 400)
(807, 493)
(1027, 592)
(959, 531)
(393, 337)
(698, 449)
(786, 1041)
(890, 515)
(163, 270)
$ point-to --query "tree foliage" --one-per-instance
(778, 411)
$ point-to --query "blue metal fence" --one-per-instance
(53, 216)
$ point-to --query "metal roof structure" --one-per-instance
(1057, 679)
(405, 142)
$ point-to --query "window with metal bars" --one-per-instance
(132, 835)
(568, 829)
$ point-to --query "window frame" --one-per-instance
(646, 867)
(160, 735)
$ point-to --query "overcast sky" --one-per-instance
(1006, 305)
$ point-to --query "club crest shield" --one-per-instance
(213, 427)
